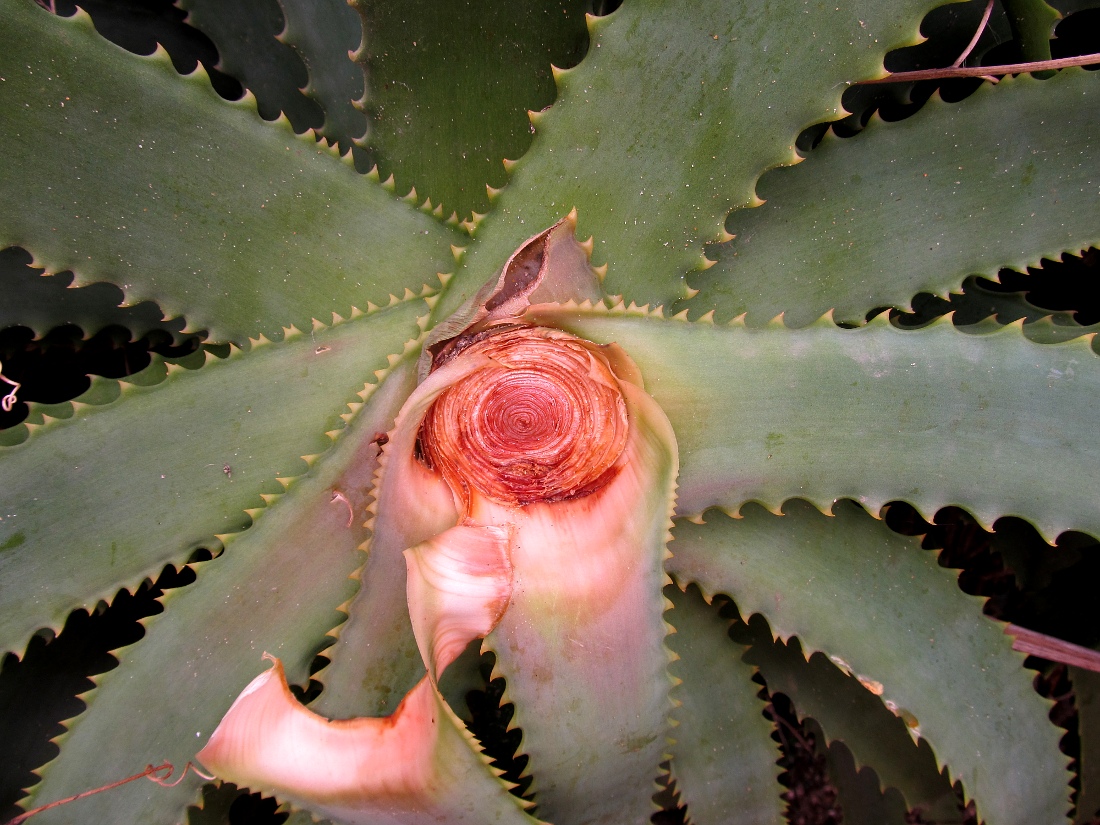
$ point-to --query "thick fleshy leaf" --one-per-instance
(154, 472)
(990, 727)
(449, 87)
(847, 711)
(940, 191)
(278, 588)
(1033, 25)
(245, 33)
(151, 181)
(715, 96)
(43, 302)
(459, 585)
(581, 642)
(376, 660)
(859, 794)
(1086, 690)
(723, 755)
(325, 33)
(994, 423)
(418, 766)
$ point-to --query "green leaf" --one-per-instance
(1033, 26)
(449, 87)
(44, 302)
(107, 497)
(323, 32)
(993, 423)
(940, 191)
(669, 121)
(245, 33)
(276, 589)
(1086, 689)
(876, 604)
(858, 793)
(723, 756)
(848, 712)
(151, 181)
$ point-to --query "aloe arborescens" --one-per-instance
(387, 470)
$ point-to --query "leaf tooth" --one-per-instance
(291, 332)
(269, 497)
(388, 184)
(259, 341)
(705, 263)
(320, 325)
(253, 513)
(588, 244)
(493, 192)
(334, 434)
(509, 165)
(311, 459)
(438, 211)
(457, 252)
(373, 174)
(706, 318)
(411, 197)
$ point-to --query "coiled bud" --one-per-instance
(543, 420)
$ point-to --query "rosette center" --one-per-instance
(543, 419)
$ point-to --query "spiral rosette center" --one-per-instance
(542, 420)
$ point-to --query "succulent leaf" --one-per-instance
(1086, 689)
(417, 766)
(277, 588)
(650, 193)
(325, 33)
(189, 454)
(846, 711)
(421, 57)
(992, 423)
(34, 299)
(828, 236)
(794, 568)
(160, 186)
(723, 756)
(245, 33)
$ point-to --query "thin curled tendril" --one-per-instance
(543, 420)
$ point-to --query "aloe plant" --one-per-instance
(351, 238)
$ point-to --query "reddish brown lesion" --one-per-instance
(544, 420)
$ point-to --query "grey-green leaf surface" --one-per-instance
(42, 302)
(723, 755)
(668, 122)
(875, 602)
(859, 794)
(996, 424)
(122, 488)
(999, 179)
(151, 181)
(450, 85)
(1033, 26)
(1086, 689)
(245, 33)
(277, 589)
(848, 712)
(323, 33)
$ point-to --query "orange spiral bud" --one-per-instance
(542, 420)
